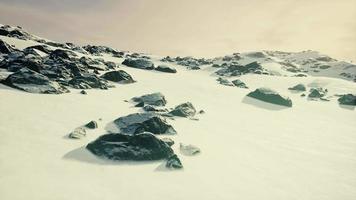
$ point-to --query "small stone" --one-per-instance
(173, 162)
(92, 125)
(83, 92)
(78, 133)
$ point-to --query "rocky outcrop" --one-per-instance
(119, 76)
(91, 125)
(139, 147)
(270, 96)
(184, 110)
(88, 81)
(139, 63)
(5, 48)
(154, 99)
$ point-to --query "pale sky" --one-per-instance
(192, 27)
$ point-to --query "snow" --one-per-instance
(250, 150)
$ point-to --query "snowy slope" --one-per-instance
(250, 150)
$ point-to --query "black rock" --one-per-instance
(239, 83)
(139, 63)
(83, 92)
(144, 122)
(173, 162)
(31, 81)
(60, 53)
(5, 48)
(164, 68)
(88, 81)
(299, 87)
(184, 110)
(138, 147)
(119, 76)
(154, 99)
(347, 99)
(317, 92)
(92, 125)
(270, 96)
(141, 104)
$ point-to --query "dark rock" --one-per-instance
(164, 68)
(92, 125)
(239, 83)
(139, 63)
(184, 110)
(347, 99)
(5, 48)
(119, 76)
(173, 162)
(224, 81)
(189, 150)
(154, 99)
(168, 141)
(138, 147)
(99, 50)
(270, 96)
(150, 108)
(141, 104)
(317, 92)
(201, 112)
(42, 48)
(303, 95)
(299, 87)
(60, 53)
(83, 92)
(88, 81)
(78, 133)
(31, 81)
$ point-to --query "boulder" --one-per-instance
(173, 162)
(270, 96)
(239, 83)
(189, 150)
(347, 99)
(184, 110)
(165, 68)
(119, 76)
(91, 125)
(31, 81)
(88, 81)
(139, 147)
(78, 133)
(139, 63)
(154, 99)
(317, 92)
(224, 81)
(299, 88)
(143, 122)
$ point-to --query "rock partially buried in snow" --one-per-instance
(154, 99)
(144, 122)
(5, 48)
(88, 81)
(299, 88)
(270, 96)
(168, 141)
(189, 150)
(184, 110)
(173, 162)
(119, 76)
(224, 81)
(92, 125)
(78, 133)
(138, 147)
(317, 92)
(165, 68)
(139, 63)
(239, 83)
(33, 82)
(347, 99)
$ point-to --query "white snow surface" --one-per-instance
(250, 150)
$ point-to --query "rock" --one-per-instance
(144, 122)
(60, 53)
(201, 112)
(83, 92)
(224, 81)
(92, 125)
(239, 83)
(184, 110)
(165, 68)
(317, 92)
(5, 48)
(43, 48)
(88, 81)
(347, 99)
(299, 87)
(168, 141)
(138, 147)
(149, 108)
(119, 76)
(270, 96)
(99, 50)
(141, 104)
(31, 81)
(173, 162)
(154, 99)
(303, 95)
(139, 63)
(189, 150)
(78, 133)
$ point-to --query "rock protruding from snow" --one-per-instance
(224, 81)
(233, 69)
(5, 48)
(239, 83)
(139, 147)
(168, 141)
(139, 63)
(317, 93)
(184, 110)
(165, 68)
(91, 125)
(33, 82)
(270, 96)
(299, 87)
(88, 81)
(173, 162)
(144, 122)
(78, 133)
(119, 76)
(189, 150)
(154, 99)
(347, 99)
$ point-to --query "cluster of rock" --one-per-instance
(189, 62)
(236, 82)
(234, 69)
(146, 64)
(41, 69)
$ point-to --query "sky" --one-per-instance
(202, 28)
